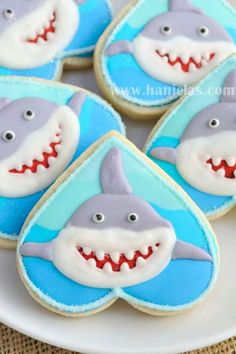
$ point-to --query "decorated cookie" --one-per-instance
(43, 128)
(154, 48)
(196, 145)
(38, 37)
(116, 238)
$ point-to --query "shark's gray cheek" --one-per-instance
(41, 44)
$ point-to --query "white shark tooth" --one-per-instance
(29, 163)
(204, 62)
(50, 35)
(207, 56)
(144, 250)
(185, 58)
(162, 51)
(41, 31)
(100, 255)
(197, 57)
(231, 161)
(87, 251)
(129, 255)
(124, 268)
(91, 262)
(140, 261)
(192, 67)
(28, 172)
(48, 149)
(216, 161)
(173, 56)
(177, 67)
(51, 160)
(52, 17)
(107, 268)
(40, 158)
(41, 41)
(40, 168)
(115, 256)
(220, 172)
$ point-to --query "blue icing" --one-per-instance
(66, 291)
(207, 202)
(179, 284)
(20, 207)
(122, 71)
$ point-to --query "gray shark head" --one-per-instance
(207, 152)
(182, 45)
(37, 141)
(33, 32)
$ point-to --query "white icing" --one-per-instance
(193, 167)
(184, 48)
(15, 50)
(22, 184)
(113, 242)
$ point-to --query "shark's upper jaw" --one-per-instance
(46, 32)
(223, 167)
(186, 63)
(43, 160)
(118, 261)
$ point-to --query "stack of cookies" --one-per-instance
(94, 219)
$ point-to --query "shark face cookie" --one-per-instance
(200, 154)
(116, 239)
(163, 47)
(37, 37)
(43, 129)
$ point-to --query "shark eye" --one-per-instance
(132, 217)
(8, 14)
(28, 115)
(166, 30)
(214, 123)
(8, 135)
(98, 218)
(203, 31)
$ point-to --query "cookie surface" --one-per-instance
(195, 142)
(44, 127)
(38, 37)
(116, 238)
(154, 48)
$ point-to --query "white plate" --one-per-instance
(122, 329)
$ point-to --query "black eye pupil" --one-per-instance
(203, 30)
(214, 122)
(99, 217)
(133, 217)
(29, 113)
(9, 136)
(166, 29)
(9, 11)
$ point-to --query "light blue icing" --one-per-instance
(122, 72)
(170, 131)
(96, 119)
(183, 282)
(95, 16)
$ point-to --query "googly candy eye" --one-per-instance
(8, 135)
(28, 115)
(214, 123)
(8, 14)
(166, 30)
(98, 218)
(203, 31)
(132, 217)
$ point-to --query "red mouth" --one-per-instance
(185, 67)
(36, 163)
(227, 171)
(48, 29)
(116, 267)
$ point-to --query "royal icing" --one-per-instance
(114, 238)
(203, 149)
(165, 46)
(42, 34)
(43, 129)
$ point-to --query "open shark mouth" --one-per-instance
(46, 32)
(45, 159)
(117, 262)
(186, 66)
(224, 168)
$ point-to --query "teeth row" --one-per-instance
(43, 29)
(115, 256)
(199, 58)
(40, 167)
(124, 268)
(231, 161)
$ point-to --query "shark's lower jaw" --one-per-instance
(190, 64)
(45, 159)
(223, 168)
(117, 261)
(46, 32)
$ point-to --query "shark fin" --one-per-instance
(113, 179)
(77, 101)
(165, 154)
(229, 94)
(39, 250)
(184, 6)
(184, 250)
(119, 47)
